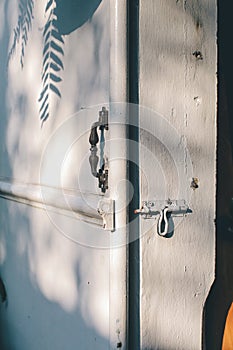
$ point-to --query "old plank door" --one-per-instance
(177, 83)
(65, 281)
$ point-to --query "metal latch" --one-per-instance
(106, 208)
(163, 208)
(102, 174)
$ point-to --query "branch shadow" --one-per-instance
(63, 17)
(24, 24)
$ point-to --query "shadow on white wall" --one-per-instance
(58, 291)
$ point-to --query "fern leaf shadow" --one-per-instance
(22, 28)
(63, 18)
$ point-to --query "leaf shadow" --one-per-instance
(63, 17)
(52, 60)
(22, 28)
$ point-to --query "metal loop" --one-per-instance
(163, 224)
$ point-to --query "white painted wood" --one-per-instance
(49, 198)
(55, 268)
(118, 174)
(178, 81)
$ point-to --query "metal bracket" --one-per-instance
(106, 208)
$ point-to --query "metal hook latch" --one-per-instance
(163, 222)
(102, 174)
(165, 208)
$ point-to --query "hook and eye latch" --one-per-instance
(165, 209)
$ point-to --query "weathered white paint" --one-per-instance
(177, 272)
(118, 174)
(59, 199)
(48, 277)
(58, 289)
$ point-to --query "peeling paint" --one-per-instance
(197, 100)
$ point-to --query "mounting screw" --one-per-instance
(194, 183)
(198, 55)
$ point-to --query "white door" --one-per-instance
(65, 275)
(177, 88)
(63, 232)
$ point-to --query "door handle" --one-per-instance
(102, 173)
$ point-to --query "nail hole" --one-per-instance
(194, 183)
(198, 55)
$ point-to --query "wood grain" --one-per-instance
(178, 81)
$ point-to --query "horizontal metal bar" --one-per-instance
(152, 208)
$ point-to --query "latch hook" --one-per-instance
(163, 223)
(165, 209)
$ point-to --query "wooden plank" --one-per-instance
(61, 200)
(178, 81)
(118, 174)
(37, 246)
